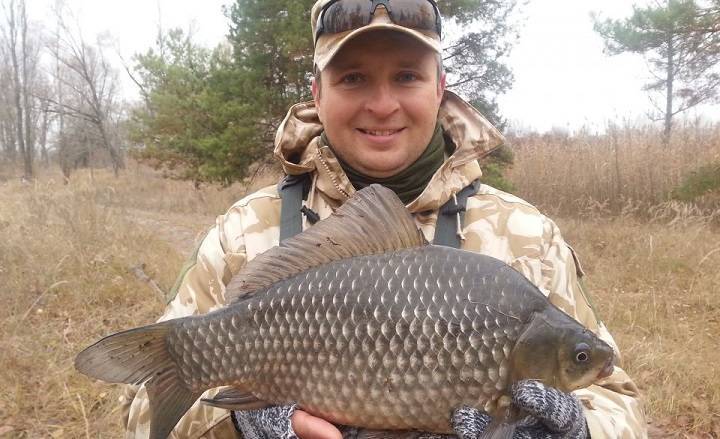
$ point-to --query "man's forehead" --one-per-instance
(354, 63)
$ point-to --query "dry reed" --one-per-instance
(625, 168)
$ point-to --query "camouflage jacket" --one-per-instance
(496, 224)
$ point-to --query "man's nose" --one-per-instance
(382, 102)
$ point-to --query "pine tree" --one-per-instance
(273, 51)
(681, 42)
(196, 122)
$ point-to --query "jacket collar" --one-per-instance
(298, 149)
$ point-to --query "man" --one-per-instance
(380, 113)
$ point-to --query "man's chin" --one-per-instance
(381, 169)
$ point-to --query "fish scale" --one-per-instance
(418, 348)
(375, 330)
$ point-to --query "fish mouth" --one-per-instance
(607, 369)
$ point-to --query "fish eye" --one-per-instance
(582, 353)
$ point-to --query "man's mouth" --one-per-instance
(382, 132)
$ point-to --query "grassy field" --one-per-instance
(67, 277)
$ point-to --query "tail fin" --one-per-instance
(138, 356)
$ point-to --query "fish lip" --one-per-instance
(607, 369)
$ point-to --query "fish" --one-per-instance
(362, 322)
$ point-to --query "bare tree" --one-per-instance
(61, 147)
(42, 122)
(88, 88)
(8, 132)
(23, 59)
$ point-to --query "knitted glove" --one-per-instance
(361, 433)
(553, 415)
(268, 423)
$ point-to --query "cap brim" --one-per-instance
(328, 45)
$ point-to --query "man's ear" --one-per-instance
(315, 89)
(441, 85)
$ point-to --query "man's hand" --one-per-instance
(283, 422)
(552, 415)
(307, 426)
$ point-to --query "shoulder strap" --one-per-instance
(451, 217)
(293, 189)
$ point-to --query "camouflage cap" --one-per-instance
(328, 45)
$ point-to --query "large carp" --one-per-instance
(360, 321)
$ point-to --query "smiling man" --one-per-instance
(381, 114)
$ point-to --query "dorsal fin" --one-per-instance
(372, 221)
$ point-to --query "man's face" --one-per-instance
(378, 101)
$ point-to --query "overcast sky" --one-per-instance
(562, 77)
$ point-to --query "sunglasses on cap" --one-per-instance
(344, 15)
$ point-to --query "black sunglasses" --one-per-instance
(344, 15)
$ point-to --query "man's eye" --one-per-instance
(352, 78)
(407, 77)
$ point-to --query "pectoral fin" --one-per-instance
(499, 430)
(232, 398)
(503, 426)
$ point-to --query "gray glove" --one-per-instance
(553, 415)
(268, 423)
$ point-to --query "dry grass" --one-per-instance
(627, 168)
(656, 287)
(64, 271)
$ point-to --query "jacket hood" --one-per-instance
(297, 146)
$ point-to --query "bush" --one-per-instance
(700, 182)
(494, 166)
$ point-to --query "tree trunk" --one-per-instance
(669, 91)
(115, 155)
(29, 138)
(44, 126)
(62, 150)
(8, 132)
(17, 86)
(20, 88)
